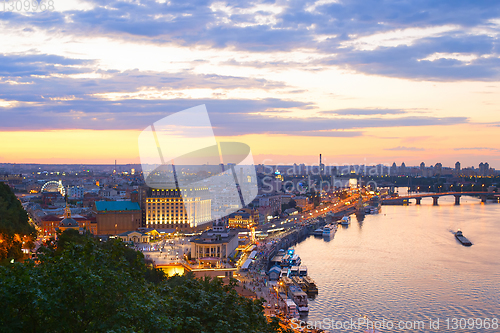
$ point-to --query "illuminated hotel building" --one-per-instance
(182, 209)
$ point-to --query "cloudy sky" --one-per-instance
(359, 81)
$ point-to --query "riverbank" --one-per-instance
(376, 268)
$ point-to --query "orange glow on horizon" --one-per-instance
(411, 145)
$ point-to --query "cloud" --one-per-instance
(403, 148)
(479, 148)
(364, 112)
(40, 77)
(412, 61)
(229, 116)
(402, 35)
(21, 65)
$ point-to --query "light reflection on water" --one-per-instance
(405, 264)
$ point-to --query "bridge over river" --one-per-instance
(401, 200)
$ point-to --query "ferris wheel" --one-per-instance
(54, 186)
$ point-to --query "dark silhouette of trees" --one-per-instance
(83, 285)
(14, 226)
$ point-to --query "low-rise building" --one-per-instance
(51, 223)
(243, 218)
(134, 236)
(116, 217)
(274, 273)
(291, 211)
(301, 201)
(220, 242)
(240, 220)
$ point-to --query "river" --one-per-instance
(405, 265)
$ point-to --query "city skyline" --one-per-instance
(360, 84)
(290, 164)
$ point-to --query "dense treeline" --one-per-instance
(82, 285)
(14, 225)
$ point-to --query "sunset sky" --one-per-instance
(358, 81)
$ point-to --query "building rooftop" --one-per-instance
(68, 223)
(211, 237)
(126, 233)
(116, 206)
(243, 215)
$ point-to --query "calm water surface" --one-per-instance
(405, 264)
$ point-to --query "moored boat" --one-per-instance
(302, 271)
(299, 297)
(295, 260)
(318, 232)
(310, 285)
(291, 308)
(300, 282)
(328, 230)
(346, 220)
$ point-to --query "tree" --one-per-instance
(83, 285)
(14, 226)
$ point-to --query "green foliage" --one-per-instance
(83, 285)
(208, 306)
(14, 225)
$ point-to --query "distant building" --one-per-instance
(438, 169)
(16, 179)
(276, 185)
(49, 197)
(50, 224)
(274, 273)
(218, 243)
(253, 212)
(303, 203)
(76, 222)
(68, 223)
(115, 217)
(394, 169)
(485, 171)
(286, 198)
(481, 168)
(403, 168)
(423, 172)
(272, 201)
(243, 218)
(75, 192)
(169, 208)
(134, 236)
(268, 205)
